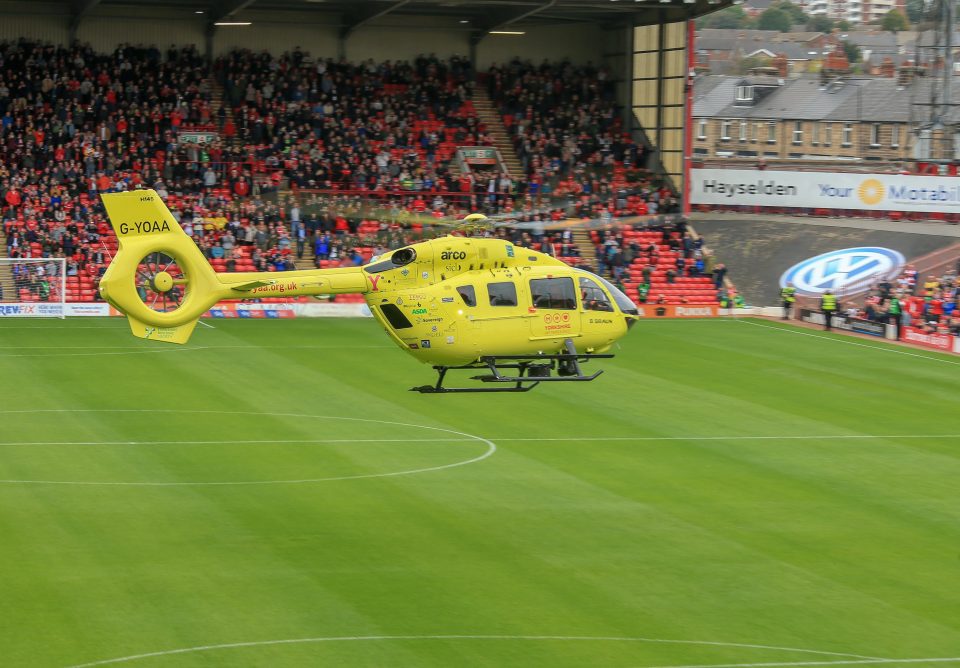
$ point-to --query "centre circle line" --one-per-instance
(463, 437)
(297, 641)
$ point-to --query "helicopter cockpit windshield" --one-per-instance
(398, 258)
(624, 303)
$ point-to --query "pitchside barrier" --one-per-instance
(937, 341)
(844, 322)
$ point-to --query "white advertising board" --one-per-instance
(825, 190)
(31, 310)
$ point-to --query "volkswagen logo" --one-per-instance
(843, 271)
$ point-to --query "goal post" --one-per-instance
(33, 287)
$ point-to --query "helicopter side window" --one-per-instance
(553, 293)
(502, 294)
(594, 298)
(468, 295)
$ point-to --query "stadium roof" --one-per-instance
(483, 15)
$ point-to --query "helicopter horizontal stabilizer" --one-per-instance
(179, 334)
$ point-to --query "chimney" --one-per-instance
(907, 71)
(836, 62)
(780, 62)
(887, 68)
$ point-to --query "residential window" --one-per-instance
(752, 132)
(815, 133)
(771, 132)
(798, 132)
(847, 139)
(895, 136)
(875, 135)
(725, 130)
(743, 130)
(744, 93)
(702, 128)
(828, 134)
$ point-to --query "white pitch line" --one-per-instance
(791, 437)
(784, 664)
(305, 441)
(296, 641)
(308, 441)
(491, 449)
(849, 343)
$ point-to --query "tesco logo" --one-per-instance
(843, 271)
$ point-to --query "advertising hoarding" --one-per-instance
(825, 190)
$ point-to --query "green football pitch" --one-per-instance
(727, 493)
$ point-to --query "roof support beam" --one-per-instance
(530, 12)
(225, 10)
(350, 26)
(80, 9)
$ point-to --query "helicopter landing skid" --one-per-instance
(530, 371)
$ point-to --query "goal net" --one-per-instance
(34, 287)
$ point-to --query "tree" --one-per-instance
(894, 21)
(775, 19)
(731, 17)
(744, 65)
(820, 24)
(843, 25)
(915, 10)
(796, 14)
(852, 52)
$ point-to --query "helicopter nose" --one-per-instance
(631, 314)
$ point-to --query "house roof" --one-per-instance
(875, 41)
(875, 99)
(712, 93)
(799, 36)
(728, 39)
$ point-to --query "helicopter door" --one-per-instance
(597, 311)
(555, 312)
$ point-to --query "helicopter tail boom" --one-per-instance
(163, 283)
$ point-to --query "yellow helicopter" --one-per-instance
(455, 302)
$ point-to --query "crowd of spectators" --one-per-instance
(566, 127)
(930, 304)
(664, 263)
(329, 124)
(363, 147)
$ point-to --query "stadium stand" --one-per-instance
(311, 161)
(930, 304)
